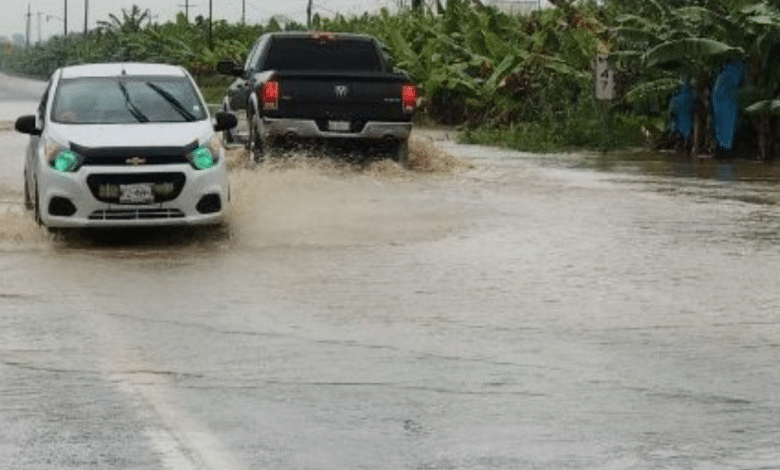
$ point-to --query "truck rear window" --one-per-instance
(338, 55)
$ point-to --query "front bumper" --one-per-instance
(90, 211)
(302, 128)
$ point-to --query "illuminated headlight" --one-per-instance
(63, 159)
(205, 156)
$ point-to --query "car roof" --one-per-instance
(121, 68)
(308, 34)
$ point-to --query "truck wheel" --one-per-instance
(227, 134)
(255, 144)
(400, 152)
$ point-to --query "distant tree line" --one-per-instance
(527, 79)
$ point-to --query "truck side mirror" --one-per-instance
(229, 67)
(26, 125)
(225, 121)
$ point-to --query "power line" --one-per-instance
(187, 6)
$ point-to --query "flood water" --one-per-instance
(487, 309)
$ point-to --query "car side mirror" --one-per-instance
(225, 121)
(27, 125)
(229, 67)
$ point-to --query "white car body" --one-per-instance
(130, 173)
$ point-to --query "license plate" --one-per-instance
(338, 126)
(135, 194)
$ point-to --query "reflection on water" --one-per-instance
(665, 164)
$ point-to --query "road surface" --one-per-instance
(488, 310)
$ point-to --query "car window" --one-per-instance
(125, 100)
(309, 53)
(252, 57)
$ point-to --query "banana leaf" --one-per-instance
(653, 89)
(491, 83)
(636, 35)
(681, 52)
(764, 107)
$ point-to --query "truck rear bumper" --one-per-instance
(294, 128)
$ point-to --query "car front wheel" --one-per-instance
(37, 208)
(28, 203)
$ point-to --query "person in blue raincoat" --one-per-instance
(725, 107)
(681, 108)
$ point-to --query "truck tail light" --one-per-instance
(322, 37)
(409, 97)
(269, 95)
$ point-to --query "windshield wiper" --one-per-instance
(130, 106)
(188, 116)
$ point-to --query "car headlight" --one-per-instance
(63, 159)
(205, 156)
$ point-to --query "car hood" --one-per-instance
(131, 135)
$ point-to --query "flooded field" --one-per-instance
(485, 309)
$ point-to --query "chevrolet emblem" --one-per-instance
(135, 161)
(341, 90)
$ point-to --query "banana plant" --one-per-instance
(131, 21)
(761, 96)
(687, 42)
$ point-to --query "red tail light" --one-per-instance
(322, 37)
(409, 97)
(269, 95)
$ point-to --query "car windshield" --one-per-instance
(124, 100)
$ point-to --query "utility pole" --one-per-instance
(40, 13)
(211, 42)
(308, 15)
(187, 9)
(29, 16)
(243, 11)
(66, 18)
(86, 16)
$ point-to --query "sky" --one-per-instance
(13, 21)
(47, 15)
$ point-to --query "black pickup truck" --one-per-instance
(298, 86)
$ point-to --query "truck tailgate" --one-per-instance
(340, 96)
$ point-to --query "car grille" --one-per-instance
(135, 160)
(165, 186)
(136, 214)
(133, 156)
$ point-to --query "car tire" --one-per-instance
(37, 208)
(255, 145)
(227, 135)
(28, 203)
(399, 152)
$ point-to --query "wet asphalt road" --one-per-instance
(502, 311)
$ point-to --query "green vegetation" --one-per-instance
(524, 80)
(133, 37)
(668, 44)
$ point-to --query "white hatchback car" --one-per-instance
(124, 144)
